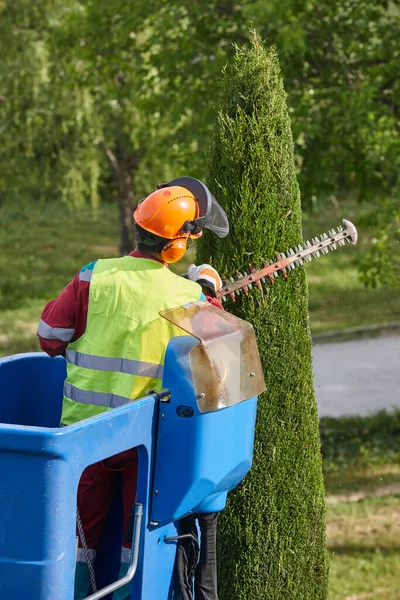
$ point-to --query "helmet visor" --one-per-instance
(212, 215)
(215, 219)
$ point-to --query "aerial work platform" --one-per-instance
(194, 440)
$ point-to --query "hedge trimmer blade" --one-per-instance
(289, 260)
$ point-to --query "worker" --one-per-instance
(106, 323)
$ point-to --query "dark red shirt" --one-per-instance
(63, 319)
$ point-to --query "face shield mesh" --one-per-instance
(212, 215)
(215, 219)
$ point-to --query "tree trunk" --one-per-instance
(126, 199)
(271, 543)
(123, 165)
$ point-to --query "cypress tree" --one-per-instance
(272, 543)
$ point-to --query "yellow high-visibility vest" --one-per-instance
(121, 354)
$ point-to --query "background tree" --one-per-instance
(101, 100)
(24, 74)
(272, 534)
(339, 63)
(118, 91)
(87, 113)
(381, 265)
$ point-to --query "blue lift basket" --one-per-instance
(194, 440)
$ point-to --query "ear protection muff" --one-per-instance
(173, 250)
(170, 251)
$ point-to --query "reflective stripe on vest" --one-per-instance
(120, 365)
(85, 275)
(94, 398)
(121, 354)
(86, 272)
(55, 333)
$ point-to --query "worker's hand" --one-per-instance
(206, 276)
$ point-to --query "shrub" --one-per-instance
(272, 542)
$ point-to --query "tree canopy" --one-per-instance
(340, 62)
(101, 100)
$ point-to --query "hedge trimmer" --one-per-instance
(287, 261)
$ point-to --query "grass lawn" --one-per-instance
(356, 482)
(362, 483)
(363, 538)
(42, 247)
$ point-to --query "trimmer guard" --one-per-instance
(226, 367)
(205, 433)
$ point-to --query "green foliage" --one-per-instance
(381, 265)
(340, 62)
(93, 88)
(101, 100)
(47, 118)
(79, 77)
(82, 77)
(272, 539)
(360, 441)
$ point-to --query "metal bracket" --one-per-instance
(163, 395)
(133, 562)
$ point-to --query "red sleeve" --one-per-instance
(63, 320)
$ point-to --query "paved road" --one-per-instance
(357, 377)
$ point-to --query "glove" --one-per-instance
(206, 276)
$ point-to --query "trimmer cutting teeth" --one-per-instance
(289, 260)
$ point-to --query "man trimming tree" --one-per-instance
(106, 323)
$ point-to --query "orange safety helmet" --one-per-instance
(176, 212)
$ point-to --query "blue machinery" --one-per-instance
(195, 443)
